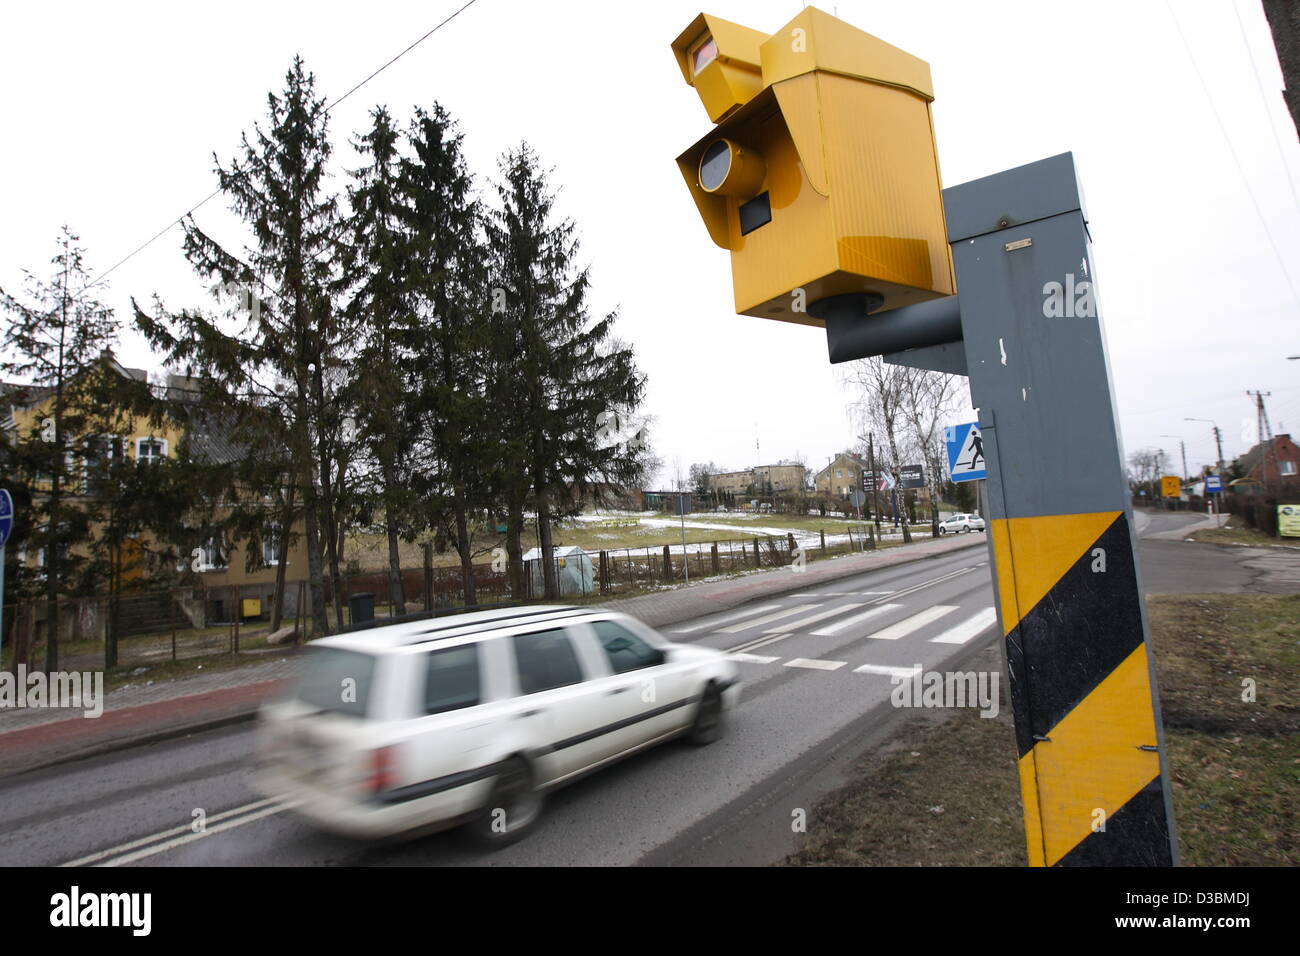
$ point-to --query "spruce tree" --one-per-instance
(449, 289)
(556, 370)
(53, 342)
(277, 375)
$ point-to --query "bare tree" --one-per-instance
(883, 391)
(927, 403)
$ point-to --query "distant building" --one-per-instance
(1277, 464)
(784, 477)
(843, 476)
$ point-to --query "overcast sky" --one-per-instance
(110, 114)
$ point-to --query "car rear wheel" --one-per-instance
(966, 530)
(512, 810)
(709, 724)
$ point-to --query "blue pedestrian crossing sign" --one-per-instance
(6, 517)
(965, 452)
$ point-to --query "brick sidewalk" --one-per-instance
(139, 712)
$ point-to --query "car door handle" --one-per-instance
(617, 690)
(529, 713)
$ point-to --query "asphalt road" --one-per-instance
(816, 667)
(806, 709)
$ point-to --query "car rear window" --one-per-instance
(337, 680)
(451, 679)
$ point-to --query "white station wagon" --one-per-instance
(470, 719)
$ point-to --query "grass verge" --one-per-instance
(1234, 532)
(945, 791)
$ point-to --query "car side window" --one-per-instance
(451, 679)
(545, 660)
(626, 651)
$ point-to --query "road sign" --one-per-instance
(1171, 486)
(965, 452)
(6, 516)
(6, 526)
(1288, 521)
(911, 476)
(857, 498)
(1213, 485)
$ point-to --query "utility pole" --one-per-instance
(1182, 447)
(1265, 432)
(1218, 439)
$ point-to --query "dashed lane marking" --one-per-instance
(815, 665)
(900, 672)
(753, 658)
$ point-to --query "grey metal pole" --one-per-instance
(2, 603)
(681, 513)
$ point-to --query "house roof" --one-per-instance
(1251, 459)
(844, 454)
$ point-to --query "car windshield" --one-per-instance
(337, 680)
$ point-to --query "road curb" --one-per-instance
(129, 743)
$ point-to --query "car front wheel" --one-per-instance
(709, 724)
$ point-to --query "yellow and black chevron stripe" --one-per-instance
(1081, 691)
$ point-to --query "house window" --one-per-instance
(839, 473)
(1287, 467)
(150, 449)
(210, 556)
(272, 546)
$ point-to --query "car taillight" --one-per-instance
(381, 772)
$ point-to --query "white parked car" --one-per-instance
(961, 523)
(471, 719)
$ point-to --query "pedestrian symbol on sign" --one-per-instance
(966, 452)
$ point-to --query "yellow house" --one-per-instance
(217, 566)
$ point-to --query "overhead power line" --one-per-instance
(1241, 171)
(181, 218)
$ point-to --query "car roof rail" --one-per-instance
(454, 628)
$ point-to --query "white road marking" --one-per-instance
(869, 593)
(764, 641)
(813, 618)
(767, 619)
(190, 838)
(126, 847)
(967, 629)
(903, 672)
(913, 623)
(729, 617)
(815, 665)
(753, 658)
(832, 629)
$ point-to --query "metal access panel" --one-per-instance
(1068, 588)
